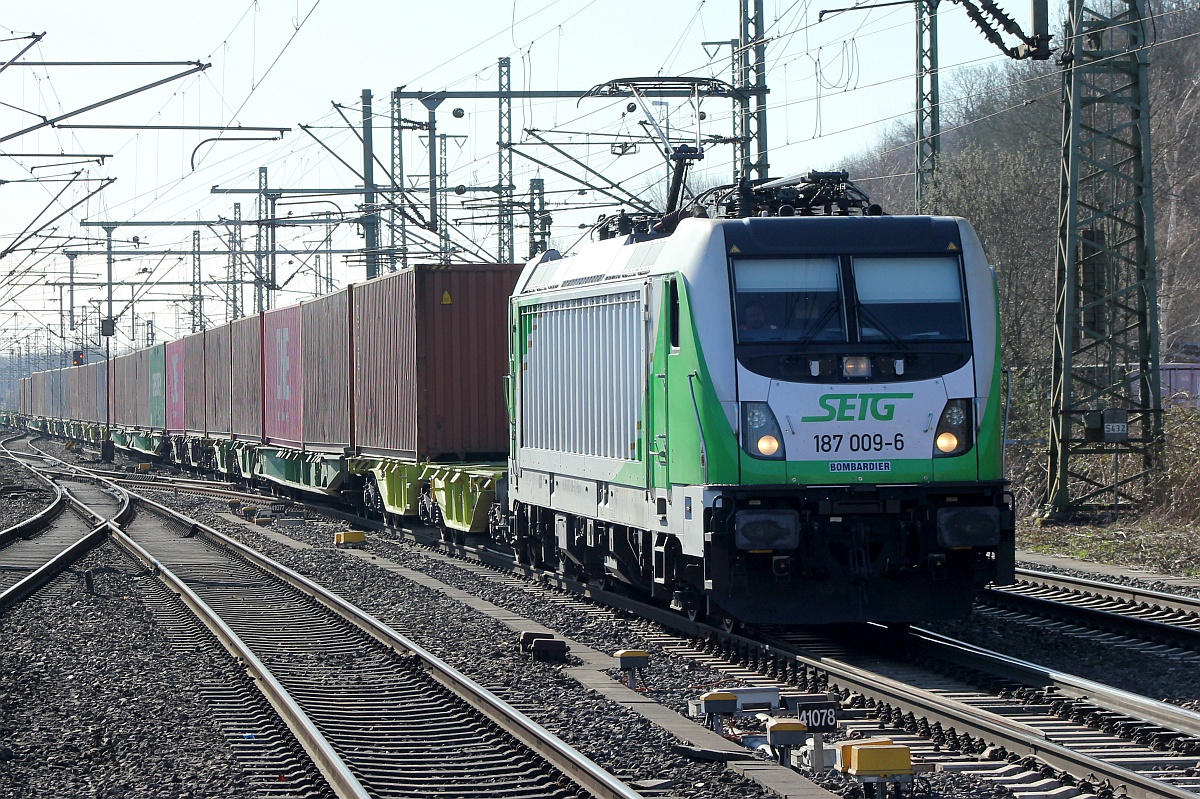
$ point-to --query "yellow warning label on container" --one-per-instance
(734, 248)
(952, 246)
(446, 298)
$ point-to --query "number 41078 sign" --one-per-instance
(817, 712)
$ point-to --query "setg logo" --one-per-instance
(857, 407)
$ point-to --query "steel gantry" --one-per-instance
(1106, 414)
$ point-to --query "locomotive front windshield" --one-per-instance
(790, 311)
(909, 299)
(789, 300)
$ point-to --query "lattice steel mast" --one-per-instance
(1106, 414)
(929, 124)
(504, 184)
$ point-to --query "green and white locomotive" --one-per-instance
(790, 414)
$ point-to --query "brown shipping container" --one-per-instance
(325, 336)
(193, 383)
(131, 402)
(246, 344)
(124, 402)
(217, 366)
(58, 394)
(431, 353)
(76, 377)
(37, 394)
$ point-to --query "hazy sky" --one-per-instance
(834, 86)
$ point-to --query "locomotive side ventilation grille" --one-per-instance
(581, 376)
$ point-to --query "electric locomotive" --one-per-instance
(779, 406)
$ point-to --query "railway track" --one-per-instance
(1166, 620)
(34, 551)
(1073, 731)
(378, 715)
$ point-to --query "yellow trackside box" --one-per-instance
(719, 703)
(880, 761)
(844, 747)
(348, 538)
(786, 732)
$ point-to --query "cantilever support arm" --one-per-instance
(199, 67)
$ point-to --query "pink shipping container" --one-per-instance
(217, 371)
(193, 383)
(246, 378)
(431, 353)
(175, 387)
(327, 371)
(283, 377)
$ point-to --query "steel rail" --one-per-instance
(1128, 623)
(1100, 590)
(53, 567)
(43, 518)
(1014, 735)
(572, 763)
(1164, 714)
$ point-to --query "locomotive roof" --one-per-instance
(636, 255)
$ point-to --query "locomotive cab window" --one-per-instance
(788, 300)
(909, 299)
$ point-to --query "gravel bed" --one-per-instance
(616, 738)
(95, 702)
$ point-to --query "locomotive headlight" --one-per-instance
(947, 442)
(954, 433)
(761, 436)
(955, 415)
(856, 366)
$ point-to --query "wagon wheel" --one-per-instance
(372, 499)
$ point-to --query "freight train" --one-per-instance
(778, 406)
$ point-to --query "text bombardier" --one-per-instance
(860, 466)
